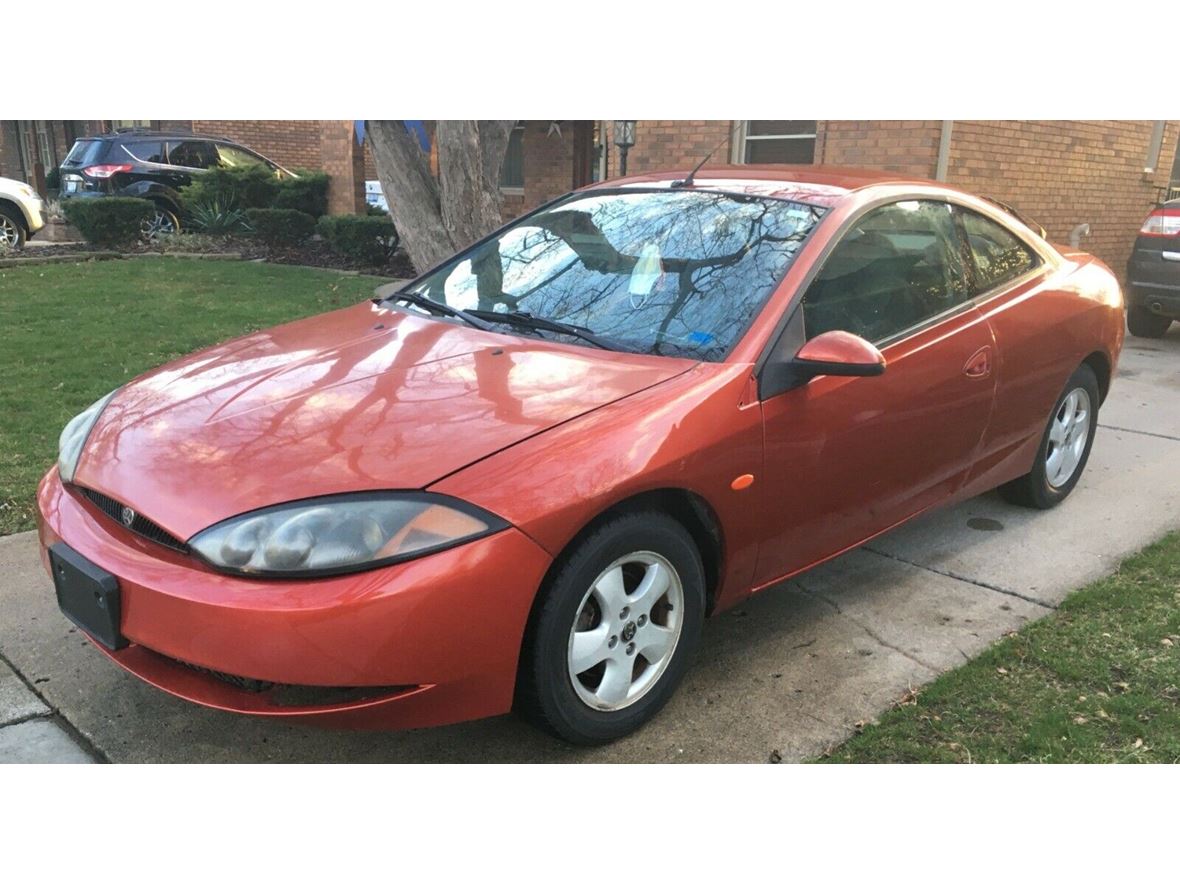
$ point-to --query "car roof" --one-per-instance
(820, 185)
(154, 135)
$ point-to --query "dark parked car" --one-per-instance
(1153, 274)
(152, 165)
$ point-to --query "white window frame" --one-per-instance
(738, 156)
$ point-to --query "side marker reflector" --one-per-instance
(742, 482)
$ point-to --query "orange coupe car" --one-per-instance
(524, 479)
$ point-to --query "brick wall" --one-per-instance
(1064, 173)
(672, 144)
(290, 143)
(909, 147)
(549, 161)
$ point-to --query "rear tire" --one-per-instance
(1065, 446)
(615, 629)
(12, 230)
(1142, 323)
(164, 223)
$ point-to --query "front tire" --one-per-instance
(12, 230)
(1142, 323)
(616, 627)
(1065, 446)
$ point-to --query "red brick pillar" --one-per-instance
(344, 161)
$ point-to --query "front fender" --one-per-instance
(691, 432)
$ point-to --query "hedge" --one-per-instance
(365, 239)
(237, 187)
(109, 221)
(307, 193)
(281, 227)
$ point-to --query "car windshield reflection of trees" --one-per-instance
(678, 273)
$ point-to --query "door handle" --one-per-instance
(980, 364)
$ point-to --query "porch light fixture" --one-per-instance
(624, 141)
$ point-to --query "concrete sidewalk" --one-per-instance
(791, 672)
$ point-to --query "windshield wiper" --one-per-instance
(528, 321)
(436, 307)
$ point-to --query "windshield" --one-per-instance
(677, 273)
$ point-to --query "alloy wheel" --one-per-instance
(1068, 433)
(9, 235)
(162, 223)
(626, 631)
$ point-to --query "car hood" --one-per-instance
(360, 399)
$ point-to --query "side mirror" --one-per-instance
(838, 353)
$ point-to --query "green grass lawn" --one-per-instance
(1096, 681)
(71, 332)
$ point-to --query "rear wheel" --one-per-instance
(162, 224)
(1065, 446)
(617, 627)
(1142, 323)
(12, 230)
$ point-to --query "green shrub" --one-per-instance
(281, 227)
(218, 216)
(232, 187)
(366, 239)
(308, 193)
(53, 179)
(109, 221)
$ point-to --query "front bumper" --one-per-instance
(426, 642)
(34, 216)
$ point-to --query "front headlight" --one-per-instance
(73, 437)
(341, 533)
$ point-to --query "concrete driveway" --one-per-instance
(789, 673)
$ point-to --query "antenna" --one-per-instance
(688, 182)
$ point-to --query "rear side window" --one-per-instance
(193, 154)
(85, 152)
(228, 155)
(146, 151)
(896, 268)
(999, 254)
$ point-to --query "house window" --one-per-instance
(512, 172)
(45, 145)
(130, 124)
(776, 141)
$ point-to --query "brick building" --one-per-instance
(1106, 174)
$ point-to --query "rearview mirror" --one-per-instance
(838, 353)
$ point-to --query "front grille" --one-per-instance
(242, 682)
(282, 695)
(143, 527)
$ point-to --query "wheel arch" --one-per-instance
(1099, 362)
(688, 508)
(14, 209)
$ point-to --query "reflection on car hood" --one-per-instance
(363, 398)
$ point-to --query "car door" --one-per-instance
(187, 157)
(1030, 321)
(847, 457)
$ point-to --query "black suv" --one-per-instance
(151, 165)
(1153, 274)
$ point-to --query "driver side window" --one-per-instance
(898, 266)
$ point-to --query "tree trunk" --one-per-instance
(437, 218)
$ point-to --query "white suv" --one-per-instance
(20, 213)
